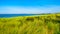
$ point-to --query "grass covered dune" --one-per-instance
(46, 24)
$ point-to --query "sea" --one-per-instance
(12, 15)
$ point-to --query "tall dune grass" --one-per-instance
(49, 24)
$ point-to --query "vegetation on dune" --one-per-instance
(49, 24)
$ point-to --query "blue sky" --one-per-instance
(29, 6)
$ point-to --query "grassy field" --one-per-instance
(41, 24)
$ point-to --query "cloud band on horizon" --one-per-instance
(29, 10)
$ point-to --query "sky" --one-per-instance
(29, 6)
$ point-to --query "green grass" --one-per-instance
(39, 24)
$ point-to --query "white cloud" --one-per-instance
(29, 10)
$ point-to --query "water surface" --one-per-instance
(12, 15)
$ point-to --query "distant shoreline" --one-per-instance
(16, 15)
